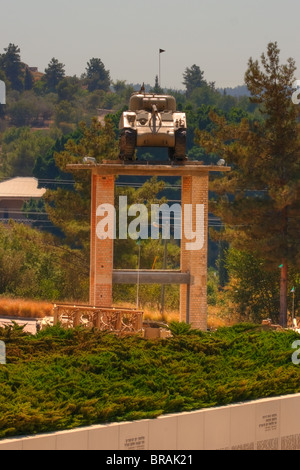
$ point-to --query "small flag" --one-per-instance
(161, 50)
(280, 266)
(293, 289)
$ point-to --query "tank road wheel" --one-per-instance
(127, 144)
(178, 152)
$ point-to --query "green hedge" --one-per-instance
(61, 379)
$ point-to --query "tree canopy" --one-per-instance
(262, 217)
(10, 63)
(54, 73)
(193, 78)
(49, 120)
(97, 77)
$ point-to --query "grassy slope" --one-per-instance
(61, 379)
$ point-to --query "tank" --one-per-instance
(152, 121)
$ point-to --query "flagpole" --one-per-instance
(293, 311)
(159, 68)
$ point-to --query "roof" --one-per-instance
(20, 187)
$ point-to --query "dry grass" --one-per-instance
(152, 314)
(215, 316)
(215, 321)
(24, 308)
(218, 317)
(34, 309)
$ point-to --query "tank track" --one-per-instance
(179, 151)
(127, 144)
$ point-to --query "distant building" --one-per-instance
(13, 193)
(102, 113)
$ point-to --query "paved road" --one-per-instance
(30, 323)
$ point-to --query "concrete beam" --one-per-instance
(128, 276)
(135, 168)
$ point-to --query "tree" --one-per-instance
(28, 80)
(45, 166)
(259, 200)
(20, 148)
(10, 63)
(193, 78)
(253, 289)
(123, 92)
(64, 113)
(54, 73)
(156, 89)
(28, 109)
(120, 86)
(34, 265)
(22, 112)
(67, 88)
(69, 209)
(97, 77)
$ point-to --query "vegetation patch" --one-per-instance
(60, 379)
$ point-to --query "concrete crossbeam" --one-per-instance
(150, 277)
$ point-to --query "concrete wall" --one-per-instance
(269, 424)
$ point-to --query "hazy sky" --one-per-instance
(217, 35)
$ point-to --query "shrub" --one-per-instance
(180, 328)
(64, 378)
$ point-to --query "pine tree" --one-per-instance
(259, 200)
(54, 73)
(11, 65)
(97, 77)
(156, 89)
(193, 78)
(28, 80)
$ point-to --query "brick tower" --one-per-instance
(193, 270)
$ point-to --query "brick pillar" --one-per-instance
(101, 265)
(194, 191)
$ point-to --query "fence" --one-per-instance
(119, 320)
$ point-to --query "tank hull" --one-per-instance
(152, 121)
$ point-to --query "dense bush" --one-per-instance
(33, 265)
(60, 379)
